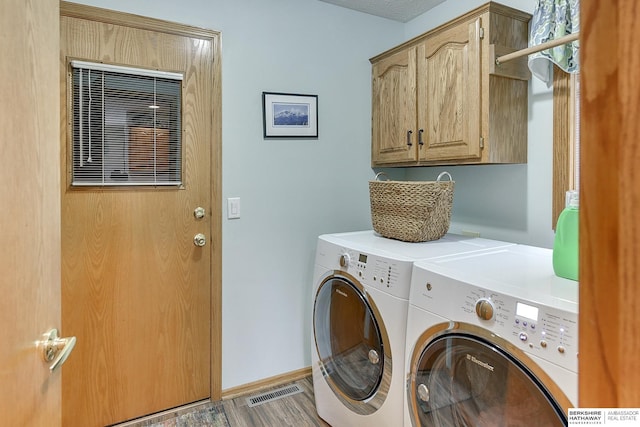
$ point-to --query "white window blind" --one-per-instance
(126, 126)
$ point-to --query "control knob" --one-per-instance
(344, 260)
(484, 309)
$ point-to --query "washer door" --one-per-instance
(465, 376)
(352, 343)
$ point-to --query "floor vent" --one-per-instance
(272, 395)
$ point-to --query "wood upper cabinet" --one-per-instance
(394, 107)
(449, 72)
(439, 98)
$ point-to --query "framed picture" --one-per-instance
(288, 115)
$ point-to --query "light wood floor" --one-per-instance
(298, 410)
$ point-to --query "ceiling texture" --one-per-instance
(397, 10)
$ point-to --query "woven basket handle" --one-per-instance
(381, 174)
(442, 174)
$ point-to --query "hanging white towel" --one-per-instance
(551, 20)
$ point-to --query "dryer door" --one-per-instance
(465, 376)
(352, 344)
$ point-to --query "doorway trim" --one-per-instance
(96, 14)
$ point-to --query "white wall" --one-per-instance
(504, 202)
(292, 191)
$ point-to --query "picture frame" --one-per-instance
(289, 115)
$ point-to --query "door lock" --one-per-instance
(199, 212)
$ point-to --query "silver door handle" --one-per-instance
(56, 350)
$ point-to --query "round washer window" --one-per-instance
(348, 339)
(462, 380)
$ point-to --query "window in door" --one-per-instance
(126, 126)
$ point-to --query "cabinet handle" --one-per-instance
(409, 132)
(420, 141)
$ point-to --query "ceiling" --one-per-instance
(397, 10)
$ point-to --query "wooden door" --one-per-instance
(30, 213)
(449, 93)
(136, 290)
(609, 366)
(394, 137)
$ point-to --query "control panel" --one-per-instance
(547, 332)
(386, 274)
(543, 330)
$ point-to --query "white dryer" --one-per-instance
(360, 304)
(492, 340)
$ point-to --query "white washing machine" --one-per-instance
(492, 340)
(360, 305)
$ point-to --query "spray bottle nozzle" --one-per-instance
(572, 199)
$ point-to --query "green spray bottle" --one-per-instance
(566, 242)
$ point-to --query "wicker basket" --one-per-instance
(412, 211)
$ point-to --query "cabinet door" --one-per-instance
(449, 93)
(394, 109)
(149, 149)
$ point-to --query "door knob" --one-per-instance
(199, 240)
(56, 350)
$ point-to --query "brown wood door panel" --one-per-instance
(30, 213)
(136, 291)
(609, 366)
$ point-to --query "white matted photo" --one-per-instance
(288, 115)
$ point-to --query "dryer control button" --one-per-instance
(543, 344)
(561, 349)
(523, 337)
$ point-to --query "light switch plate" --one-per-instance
(233, 207)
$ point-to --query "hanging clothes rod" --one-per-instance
(542, 46)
